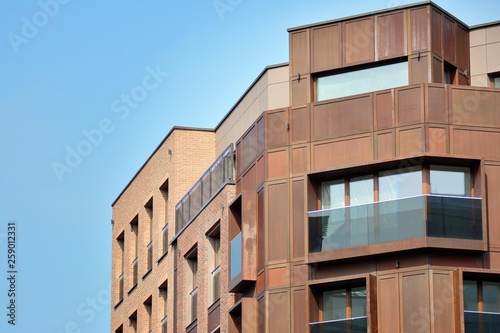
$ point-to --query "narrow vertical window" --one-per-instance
(149, 210)
(133, 321)
(134, 226)
(120, 240)
(163, 290)
(148, 306)
(192, 284)
(164, 231)
(214, 263)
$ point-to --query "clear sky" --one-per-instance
(70, 139)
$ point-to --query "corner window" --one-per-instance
(453, 181)
(362, 81)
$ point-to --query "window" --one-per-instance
(163, 290)
(120, 240)
(362, 81)
(164, 233)
(149, 210)
(393, 205)
(119, 329)
(134, 226)
(133, 321)
(481, 305)
(148, 306)
(214, 262)
(454, 181)
(192, 284)
(495, 80)
(342, 309)
(449, 73)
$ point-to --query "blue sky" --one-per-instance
(71, 140)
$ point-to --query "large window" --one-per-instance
(362, 81)
(481, 305)
(394, 205)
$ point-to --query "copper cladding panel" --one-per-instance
(409, 105)
(443, 301)
(419, 29)
(391, 33)
(342, 117)
(326, 50)
(299, 52)
(298, 219)
(388, 304)
(359, 41)
(340, 153)
(415, 302)
(300, 124)
(449, 40)
(277, 222)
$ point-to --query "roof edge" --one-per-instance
(283, 64)
(175, 128)
(485, 25)
(380, 11)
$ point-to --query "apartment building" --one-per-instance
(354, 189)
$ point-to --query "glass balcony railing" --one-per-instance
(212, 181)
(349, 325)
(389, 221)
(481, 322)
(235, 256)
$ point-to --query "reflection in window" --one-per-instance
(344, 303)
(481, 306)
(361, 190)
(450, 180)
(396, 184)
(362, 81)
(333, 194)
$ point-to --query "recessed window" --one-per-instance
(362, 81)
(481, 305)
(343, 309)
(214, 263)
(149, 210)
(163, 290)
(148, 306)
(495, 80)
(192, 284)
(449, 73)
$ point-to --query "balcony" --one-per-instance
(349, 325)
(481, 322)
(424, 217)
(212, 181)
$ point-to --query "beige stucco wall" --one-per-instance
(269, 92)
(484, 51)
